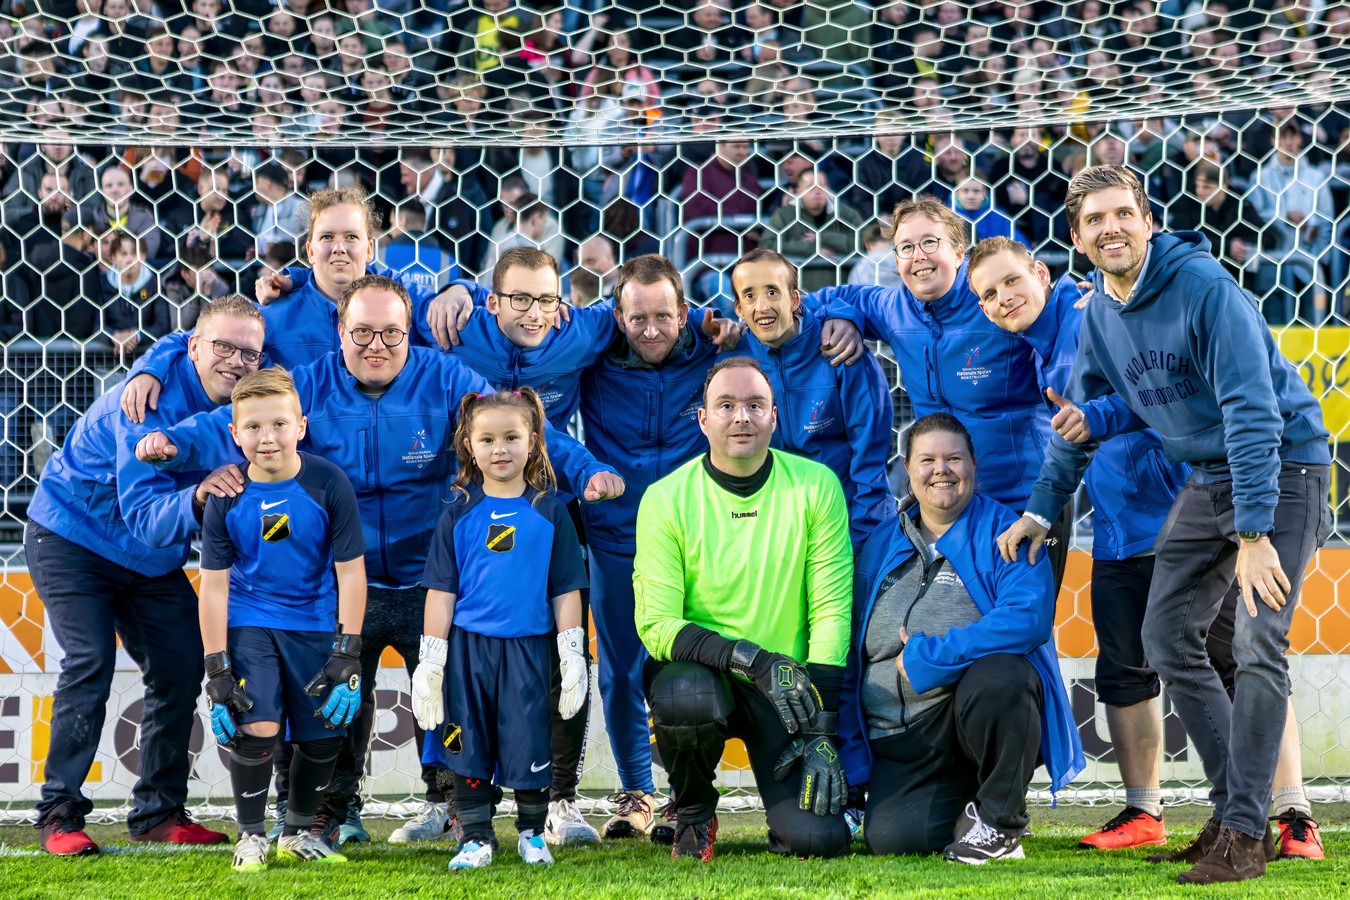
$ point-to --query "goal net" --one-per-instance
(599, 131)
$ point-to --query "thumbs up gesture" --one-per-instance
(1069, 421)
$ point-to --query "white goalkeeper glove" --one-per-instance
(428, 703)
(572, 668)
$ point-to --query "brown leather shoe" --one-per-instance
(1196, 850)
(1234, 857)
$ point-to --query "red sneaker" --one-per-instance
(62, 833)
(179, 828)
(1298, 837)
(1132, 828)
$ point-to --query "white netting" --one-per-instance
(200, 129)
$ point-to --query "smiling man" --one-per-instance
(742, 583)
(1185, 348)
(106, 543)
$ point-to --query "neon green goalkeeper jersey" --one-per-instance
(775, 568)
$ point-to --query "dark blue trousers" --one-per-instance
(90, 601)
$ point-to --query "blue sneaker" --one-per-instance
(274, 832)
(352, 831)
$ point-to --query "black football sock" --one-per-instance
(250, 773)
(311, 771)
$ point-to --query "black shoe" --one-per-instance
(695, 840)
(983, 842)
(326, 828)
(663, 830)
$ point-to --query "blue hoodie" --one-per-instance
(95, 493)
(303, 325)
(839, 416)
(1130, 482)
(396, 448)
(1192, 359)
(1017, 605)
(553, 368)
(952, 359)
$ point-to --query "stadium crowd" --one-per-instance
(126, 244)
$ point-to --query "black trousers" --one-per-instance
(694, 711)
(982, 746)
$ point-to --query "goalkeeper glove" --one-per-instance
(342, 673)
(782, 679)
(224, 696)
(572, 668)
(824, 788)
(428, 701)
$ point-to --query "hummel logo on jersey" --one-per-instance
(502, 515)
(270, 505)
(538, 768)
(749, 515)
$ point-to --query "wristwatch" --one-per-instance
(1252, 536)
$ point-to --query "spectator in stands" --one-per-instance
(1293, 197)
(412, 253)
(191, 284)
(972, 202)
(619, 57)
(1226, 218)
(816, 231)
(115, 208)
(594, 122)
(1030, 189)
(202, 21)
(132, 300)
(951, 166)
(160, 70)
(449, 205)
(583, 288)
(596, 255)
(877, 265)
(887, 172)
(279, 213)
(23, 186)
(224, 104)
(539, 162)
(270, 94)
(219, 220)
(536, 228)
(725, 186)
(709, 41)
(633, 186)
(282, 35)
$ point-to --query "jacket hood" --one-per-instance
(1168, 253)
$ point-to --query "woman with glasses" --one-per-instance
(953, 359)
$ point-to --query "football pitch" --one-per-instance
(628, 870)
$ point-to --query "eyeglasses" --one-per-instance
(390, 337)
(928, 245)
(522, 302)
(225, 350)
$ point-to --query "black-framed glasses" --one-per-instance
(928, 245)
(522, 302)
(390, 337)
(225, 350)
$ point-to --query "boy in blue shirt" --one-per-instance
(269, 599)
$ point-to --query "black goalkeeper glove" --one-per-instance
(824, 787)
(342, 673)
(225, 697)
(783, 680)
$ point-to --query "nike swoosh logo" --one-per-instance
(502, 516)
(257, 793)
(533, 767)
(322, 787)
(270, 505)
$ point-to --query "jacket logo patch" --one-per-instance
(972, 371)
(819, 420)
(421, 453)
(501, 538)
(276, 527)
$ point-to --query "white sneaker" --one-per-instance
(432, 823)
(565, 825)
(250, 854)
(473, 855)
(308, 847)
(532, 848)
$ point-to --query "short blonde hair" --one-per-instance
(273, 382)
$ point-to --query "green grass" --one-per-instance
(743, 869)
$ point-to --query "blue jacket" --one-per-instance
(953, 359)
(987, 222)
(95, 493)
(839, 416)
(303, 325)
(643, 421)
(553, 368)
(1192, 359)
(396, 449)
(1017, 604)
(1130, 482)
